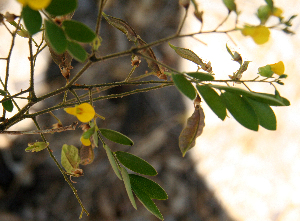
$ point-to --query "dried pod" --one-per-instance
(86, 154)
(62, 60)
(122, 26)
(151, 64)
(193, 129)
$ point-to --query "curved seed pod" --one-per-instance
(151, 64)
(193, 129)
(123, 26)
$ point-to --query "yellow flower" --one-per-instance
(260, 34)
(278, 68)
(84, 112)
(85, 142)
(35, 4)
(277, 12)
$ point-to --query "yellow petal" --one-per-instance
(71, 110)
(277, 12)
(85, 112)
(261, 35)
(85, 142)
(38, 4)
(23, 2)
(278, 68)
(248, 30)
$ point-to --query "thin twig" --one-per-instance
(62, 170)
(46, 131)
(182, 22)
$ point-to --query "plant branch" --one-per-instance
(61, 170)
(56, 130)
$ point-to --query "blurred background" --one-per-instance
(232, 173)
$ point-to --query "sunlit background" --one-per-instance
(255, 175)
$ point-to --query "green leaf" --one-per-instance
(270, 3)
(77, 51)
(95, 136)
(2, 92)
(112, 161)
(213, 100)
(263, 13)
(56, 37)
(87, 134)
(230, 5)
(260, 97)
(8, 105)
(70, 158)
(192, 130)
(265, 114)
(126, 180)
(36, 147)
(78, 31)
(32, 20)
(187, 54)
(147, 202)
(135, 163)
(184, 86)
(283, 100)
(61, 7)
(241, 110)
(122, 26)
(265, 71)
(116, 137)
(201, 76)
(152, 189)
